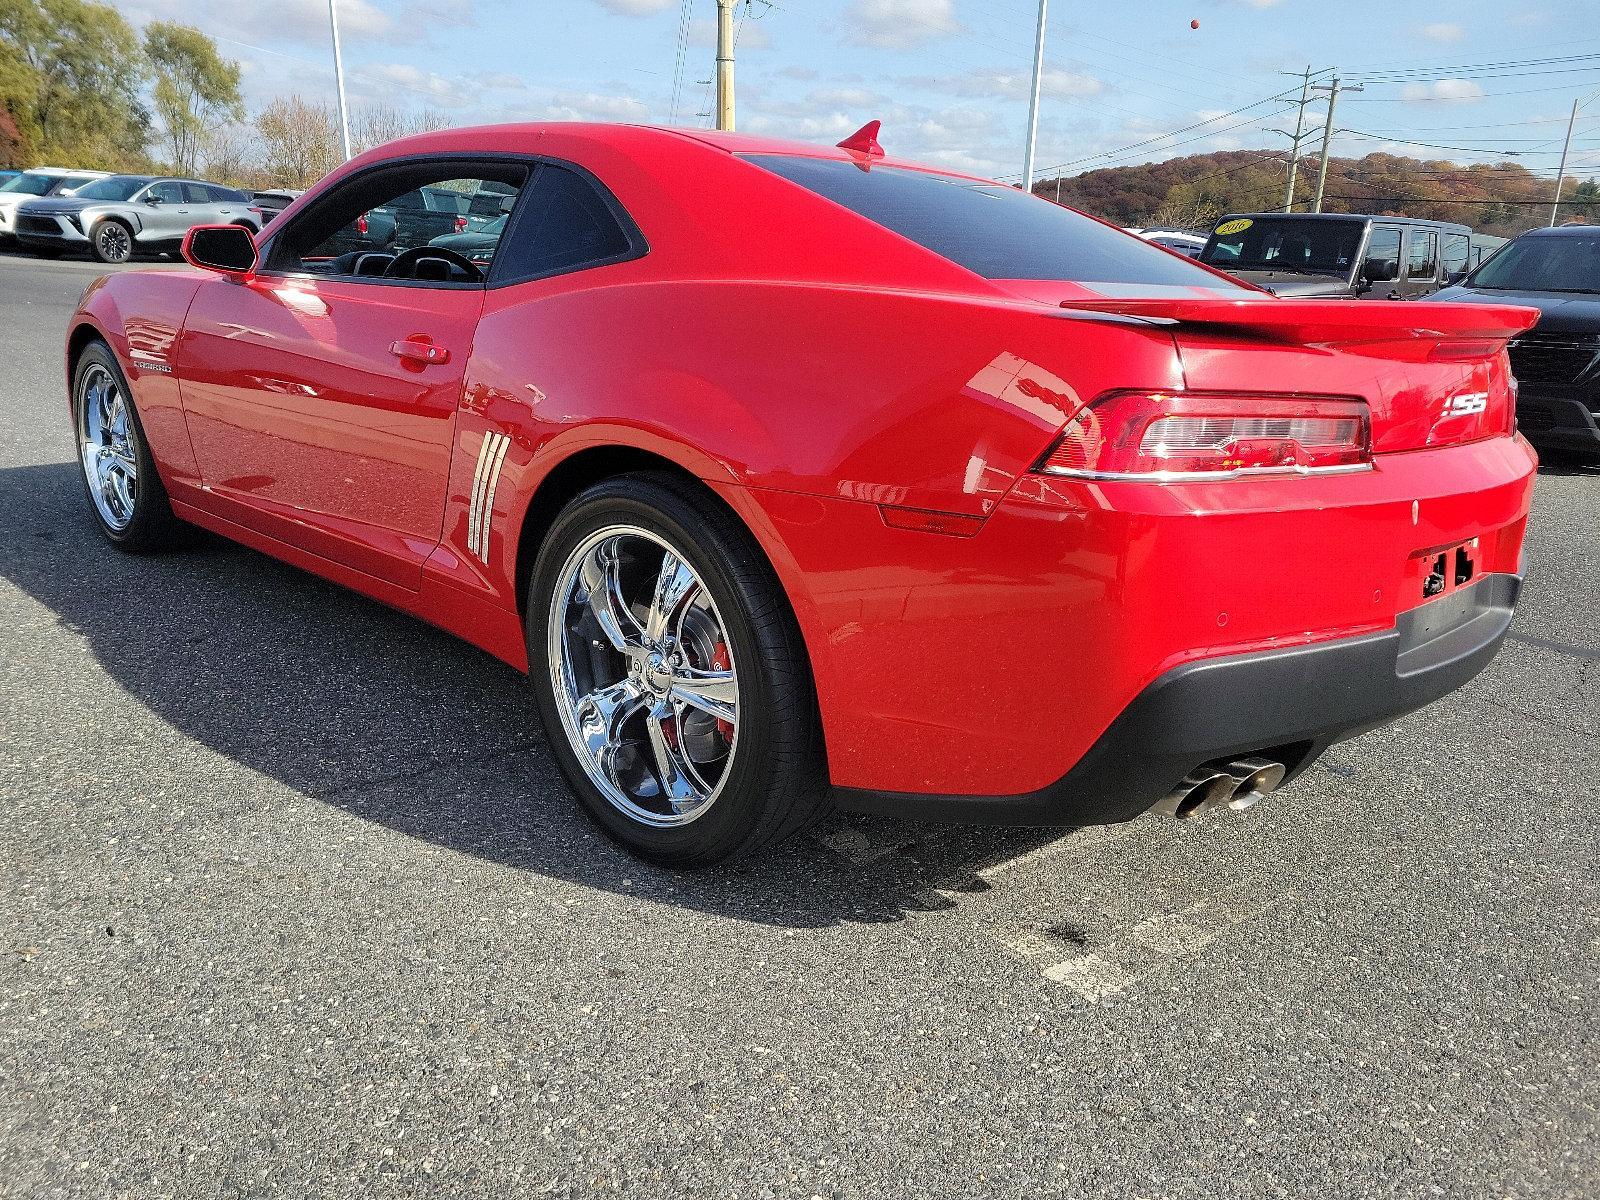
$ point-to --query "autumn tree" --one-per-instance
(196, 89)
(374, 124)
(72, 71)
(300, 141)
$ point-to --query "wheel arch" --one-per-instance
(596, 463)
(573, 474)
(79, 339)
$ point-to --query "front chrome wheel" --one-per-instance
(644, 677)
(106, 449)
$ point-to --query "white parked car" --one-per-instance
(1175, 239)
(30, 185)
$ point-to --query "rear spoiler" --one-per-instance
(1327, 322)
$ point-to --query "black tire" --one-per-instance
(776, 780)
(152, 526)
(111, 241)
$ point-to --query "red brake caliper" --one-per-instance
(720, 661)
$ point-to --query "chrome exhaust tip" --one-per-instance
(1254, 779)
(1239, 785)
(1201, 789)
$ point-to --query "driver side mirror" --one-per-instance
(152, 200)
(226, 248)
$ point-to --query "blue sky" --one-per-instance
(949, 77)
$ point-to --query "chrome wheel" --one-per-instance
(113, 242)
(645, 680)
(106, 448)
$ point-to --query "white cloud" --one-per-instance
(845, 97)
(417, 84)
(635, 8)
(281, 20)
(1443, 31)
(989, 82)
(1441, 90)
(900, 24)
(595, 106)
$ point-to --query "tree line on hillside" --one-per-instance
(79, 88)
(1501, 198)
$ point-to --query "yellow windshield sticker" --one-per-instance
(1238, 226)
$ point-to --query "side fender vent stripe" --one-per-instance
(484, 481)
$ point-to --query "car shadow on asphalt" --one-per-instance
(360, 707)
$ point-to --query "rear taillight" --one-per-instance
(1201, 435)
(461, 224)
(361, 225)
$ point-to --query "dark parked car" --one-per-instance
(1557, 362)
(479, 246)
(267, 205)
(1309, 255)
(419, 217)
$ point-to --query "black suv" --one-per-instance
(1309, 255)
(1557, 362)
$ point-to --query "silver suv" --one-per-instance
(113, 217)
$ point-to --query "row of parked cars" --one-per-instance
(1345, 256)
(51, 211)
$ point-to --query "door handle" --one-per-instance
(414, 350)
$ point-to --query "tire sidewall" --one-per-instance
(738, 809)
(150, 496)
(94, 241)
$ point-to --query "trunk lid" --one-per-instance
(1431, 374)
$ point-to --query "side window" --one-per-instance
(565, 224)
(197, 193)
(382, 223)
(1422, 254)
(1457, 251)
(167, 193)
(1383, 251)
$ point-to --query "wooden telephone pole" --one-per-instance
(725, 64)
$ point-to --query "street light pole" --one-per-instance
(338, 77)
(1033, 99)
(1562, 170)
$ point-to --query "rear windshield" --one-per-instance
(996, 231)
(1284, 244)
(1566, 262)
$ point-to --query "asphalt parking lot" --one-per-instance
(296, 904)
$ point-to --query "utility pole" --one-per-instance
(1561, 172)
(1333, 89)
(1299, 127)
(338, 78)
(1033, 99)
(725, 64)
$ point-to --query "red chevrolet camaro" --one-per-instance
(799, 476)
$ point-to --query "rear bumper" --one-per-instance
(1557, 422)
(1290, 704)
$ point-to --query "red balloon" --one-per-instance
(1194, 24)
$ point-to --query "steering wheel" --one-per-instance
(406, 261)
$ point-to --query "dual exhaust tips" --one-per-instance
(1237, 785)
